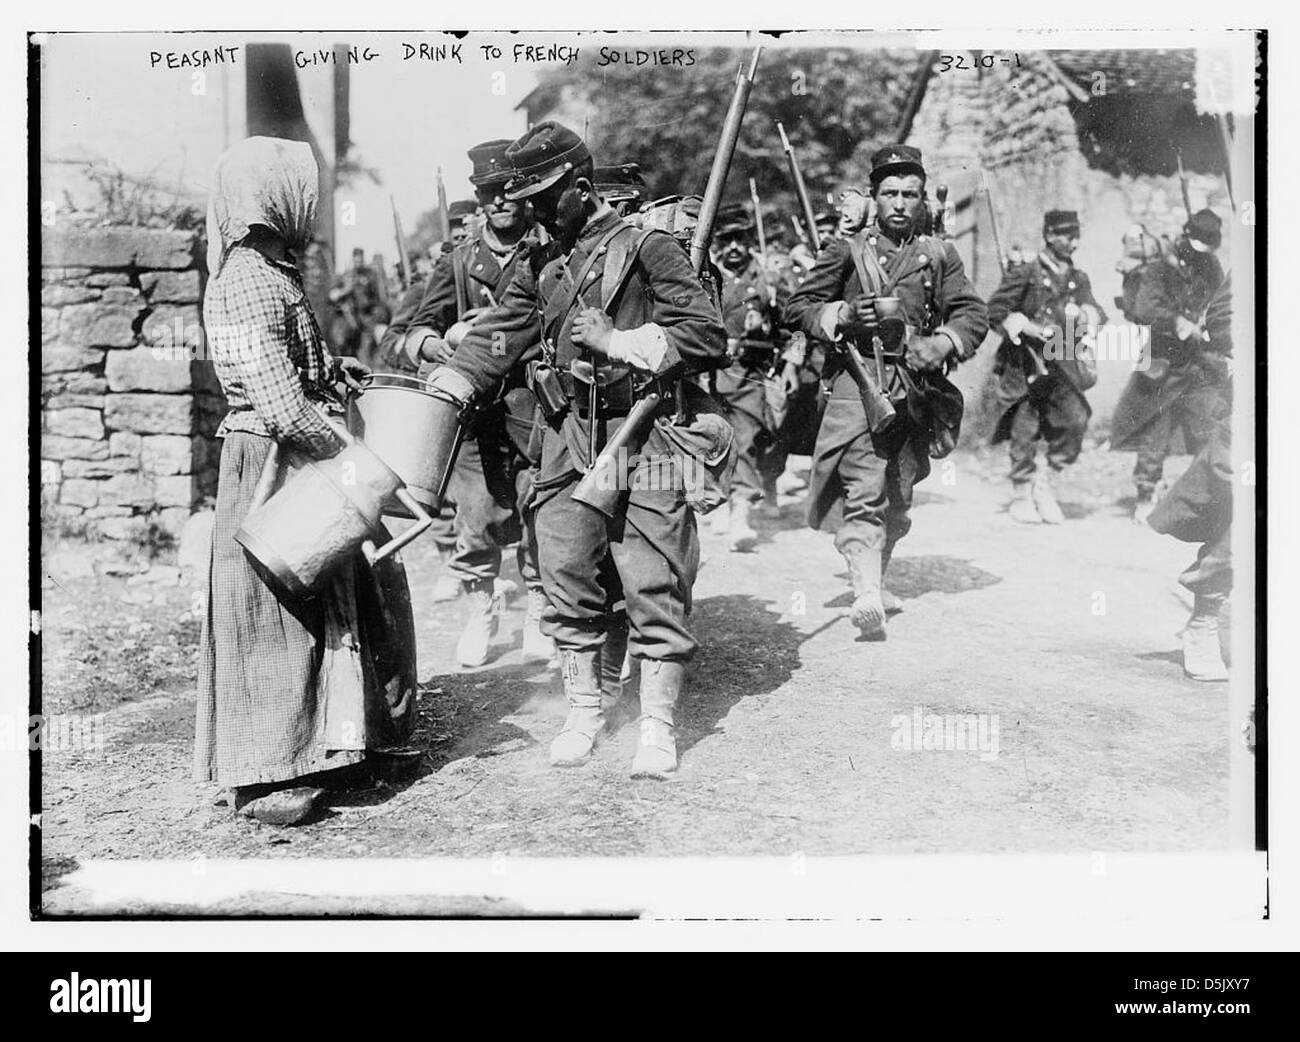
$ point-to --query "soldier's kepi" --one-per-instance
(618, 308)
(903, 300)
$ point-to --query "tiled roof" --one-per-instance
(1142, 71)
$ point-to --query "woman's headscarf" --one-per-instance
(262, 180)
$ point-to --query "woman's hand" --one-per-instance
(353, 373)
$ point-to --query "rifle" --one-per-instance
(599, 487)
(1182, 182)
(758, 219)
(444, 215)
(1040, 367)
(401, 245)
(801, 190)
(878, 408)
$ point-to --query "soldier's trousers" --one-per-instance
(877, 475)
(741, 390)
(1060, 417)
(653, 553)
(487, 484)
(1191, 414)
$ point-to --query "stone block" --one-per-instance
(174, 491)
(69, 245)
(79, 492)
(108, 278)
(171, 287)
(104, 468)
(51, 471)
(167, 454)
(126, 490)
(124, 443)
(140, 369)
(49, 324)
(54, 446)
(150, 413)
(73, 423)
(62, 358)
(125, 528)
(58, 294)
(174, 332)
(99, 325)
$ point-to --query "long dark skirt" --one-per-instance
(291, 686)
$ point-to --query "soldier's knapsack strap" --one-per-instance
(553, 318)
(459, 259)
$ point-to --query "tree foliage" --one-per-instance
(836, 104)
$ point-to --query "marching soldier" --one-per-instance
(1198, 509)
(854, 295)
(751, 311)
(359, 305)
(1172, 405)
(1044, 365)
(617, 310)
(622, 186)
(491, 473)
(460, 219)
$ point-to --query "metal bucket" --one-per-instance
(323, 514)
(417, 430)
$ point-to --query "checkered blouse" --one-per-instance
(268, 353)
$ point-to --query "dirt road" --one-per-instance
(1056, 647)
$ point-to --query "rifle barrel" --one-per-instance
(722, 164)
(800, 189)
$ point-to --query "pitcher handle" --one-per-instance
(422, 523)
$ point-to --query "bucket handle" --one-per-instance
(422, 520)
(422, 523)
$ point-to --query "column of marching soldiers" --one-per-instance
(566, 298)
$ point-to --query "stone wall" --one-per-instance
(1015, 126)
(128, 404)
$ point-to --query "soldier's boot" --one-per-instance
(1044, 496)
(1202, 656)
(1023, 508)
(743, 537)
(656, 751)
(613, 659)
(447, 588)
(892, 604)
(537, 646)
(770, 507)
(1143, 505)
(586, 720)
(481, 625)
(868, 612)
(722, 519)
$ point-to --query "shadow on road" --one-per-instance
(747, 649)
(463, 714)
(910, 577)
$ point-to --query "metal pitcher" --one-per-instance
(416, 429)
(324, 513)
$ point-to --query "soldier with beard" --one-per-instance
(1172, 405)
(617, 311)
(872, 472)
(491, 476)
(1044, 365)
